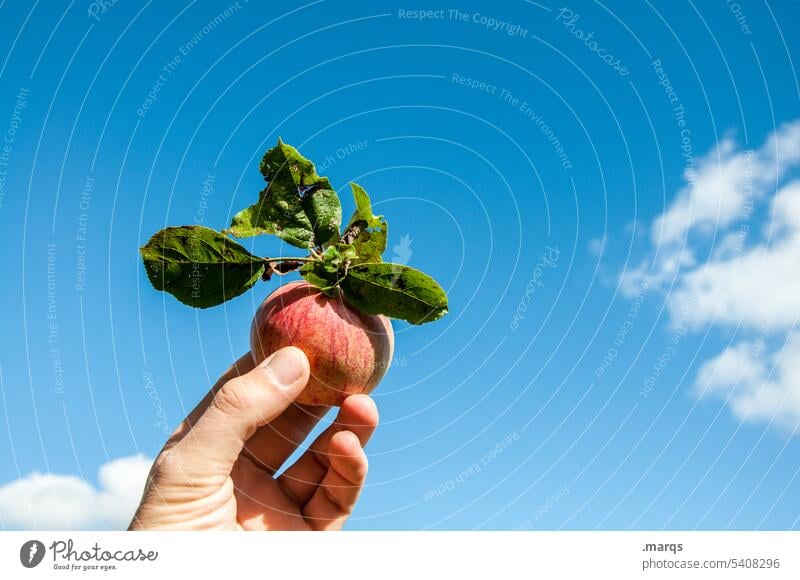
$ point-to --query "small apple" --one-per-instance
(339, 315)
(349, 351)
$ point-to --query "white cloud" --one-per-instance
(714, 195)
(758, 287)
(662, 274)
(597, 246)
(786, 209)
(757, 386)
(725, 182)
(65, 502)
(750, 281)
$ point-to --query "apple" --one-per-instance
(348, 351)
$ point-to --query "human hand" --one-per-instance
(217, 470)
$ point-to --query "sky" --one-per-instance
(608, 192)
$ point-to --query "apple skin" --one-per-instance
(348, 351)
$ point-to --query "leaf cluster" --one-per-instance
(202, 267)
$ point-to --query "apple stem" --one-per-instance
(281, 266)
(288, 259)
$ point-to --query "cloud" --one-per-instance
(663, 273)
(757, 287)
(745, 205)
(597, 246)
(756, 387)
(724, 183)
(45, 501)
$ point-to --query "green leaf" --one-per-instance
(327, 272)
(322, 277)
(199, 266)
(298, 206)
(370, 244)
(324, 211)
(367, 233)
(278, 212)
(396, 291)
(363, 207)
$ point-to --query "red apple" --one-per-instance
(349, 351)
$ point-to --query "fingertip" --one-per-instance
(345, 443)
(348, 458)
(361, 410)
(287, 367)
(296, 353)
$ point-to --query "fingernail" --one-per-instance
(287, 366)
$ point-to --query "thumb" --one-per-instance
(238, 409)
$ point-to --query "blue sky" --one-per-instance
(605, 190)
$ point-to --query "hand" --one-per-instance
(217, 470)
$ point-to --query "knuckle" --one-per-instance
(233, 396)
(333, 495)
(163, 465)
(360, 471)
